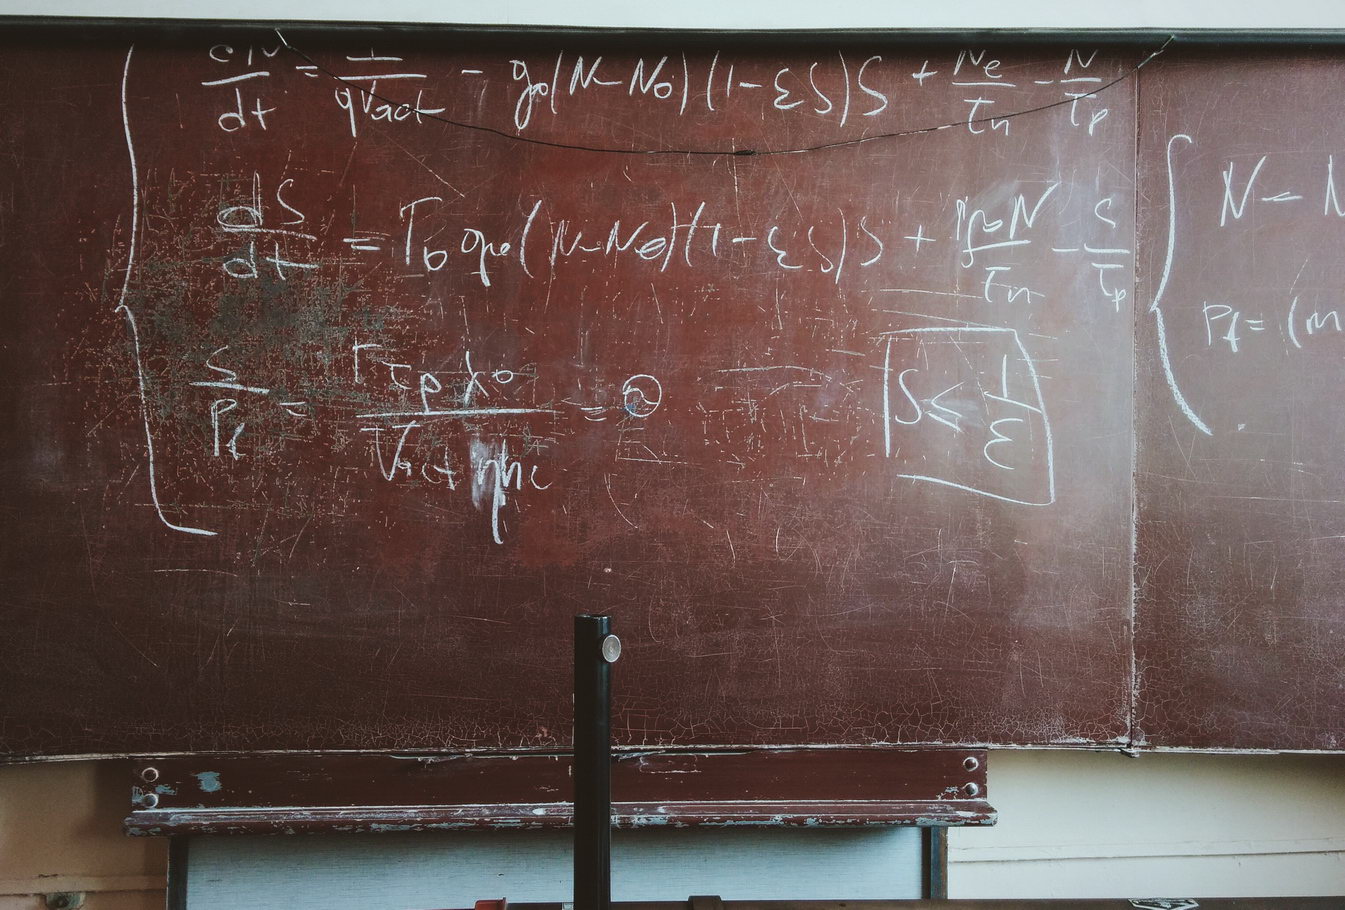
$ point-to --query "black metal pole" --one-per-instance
(595, 650)
(934, 863)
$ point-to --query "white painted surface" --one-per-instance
(755, 14)
(378, 871)
(1090, 824)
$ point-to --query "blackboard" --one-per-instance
(344, 367)
(1241, 478)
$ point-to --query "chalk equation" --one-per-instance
(977, 89)
(972, 396)
(1257, 207)
(394, 314)
(432, 239)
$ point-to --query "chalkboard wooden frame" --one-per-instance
(293, 794)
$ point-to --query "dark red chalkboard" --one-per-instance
(342, 368)
(1240, 633)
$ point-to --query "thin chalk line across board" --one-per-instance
(744, 152)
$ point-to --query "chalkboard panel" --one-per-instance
(343, 368)
(1241, 478)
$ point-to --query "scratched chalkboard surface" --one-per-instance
(343, 368)
(1240, 627)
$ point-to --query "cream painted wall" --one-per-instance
(1103, 824)
(60, 830)
(750, 14)
(1072, 824)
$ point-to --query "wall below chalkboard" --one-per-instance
(1074, 825)
(1077, 825)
